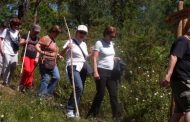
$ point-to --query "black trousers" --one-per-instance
(101, 85)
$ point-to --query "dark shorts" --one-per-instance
(181, 94)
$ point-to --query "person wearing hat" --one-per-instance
(48, 50)
(30, 57)
(9, 49)
(178, 76)
(80, 54)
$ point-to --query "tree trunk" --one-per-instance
(180, 25)
(23, 8)
(36, 11)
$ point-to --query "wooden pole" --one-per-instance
(72, 73)
(21, 71)
(180, 25)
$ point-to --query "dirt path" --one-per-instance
(8, 90)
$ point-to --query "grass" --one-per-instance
(19, 107)
(142, 100)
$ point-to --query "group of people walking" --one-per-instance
(44, 51)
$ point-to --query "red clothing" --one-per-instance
(28, 71)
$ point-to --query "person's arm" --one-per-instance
(90, 53)
(171, 66)
(22, 42)
(58, 54)
(172, 63)
(1, 45)
(38, 48)
(64, 51)
(37, 57)
(95, 66)
(66, 47)
(178, 50)
(2, 37)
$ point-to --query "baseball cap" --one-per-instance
(82, 28)
(36, 27)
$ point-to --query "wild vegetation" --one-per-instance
(143, 41)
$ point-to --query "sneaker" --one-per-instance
(70, 114)
(5, 84)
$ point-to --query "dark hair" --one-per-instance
(55, 28)
(15, 20)
(109, 30)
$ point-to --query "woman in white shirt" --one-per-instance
(10, 49)
(103, 64)
(79, 58)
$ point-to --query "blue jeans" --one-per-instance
(49, 79)
(79, 79)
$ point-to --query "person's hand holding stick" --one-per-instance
(72, 74)
(27, 39)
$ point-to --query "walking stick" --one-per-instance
(21, 71)
(72, 74)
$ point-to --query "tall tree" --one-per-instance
(23, 7)
(37, 4)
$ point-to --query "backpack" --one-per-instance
(119, 67)
(47, 63)
(86, 65)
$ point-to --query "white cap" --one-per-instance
(82, 28)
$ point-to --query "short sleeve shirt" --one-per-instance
(78, 58)
(106, 54)
(7, 47)
(181, 49)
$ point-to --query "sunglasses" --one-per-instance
(36, 32)
(82, 32)
(16, 24)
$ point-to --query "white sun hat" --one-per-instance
(82, 28)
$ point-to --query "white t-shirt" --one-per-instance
(7, 47)
(78, 58)
(106, 54)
